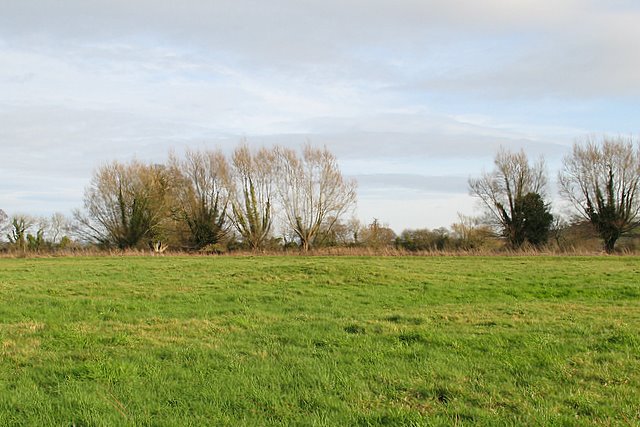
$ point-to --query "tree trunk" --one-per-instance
(609, 243)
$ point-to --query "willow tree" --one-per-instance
(601, 181)
(252, 193)
(200, 195)
(125, 205)
(313, 193)
(507, 191)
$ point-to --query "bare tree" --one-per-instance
(18, 230)
(35, 233)
(601, 181)
(470, 232)
(201, 196)
(377, 235)
(503, 190)
(58, 226)
(252, 190)
(125, 204)
(342, 233)
(312, 191)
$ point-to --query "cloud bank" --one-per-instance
(413, 96)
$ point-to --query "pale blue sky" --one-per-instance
(414, 96)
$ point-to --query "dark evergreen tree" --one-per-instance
(535, 220)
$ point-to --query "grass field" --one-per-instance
(320, 341)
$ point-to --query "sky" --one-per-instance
(412, 96)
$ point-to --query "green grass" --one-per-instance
(320, 341)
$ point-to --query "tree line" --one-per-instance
(204, 200)
(275, 198)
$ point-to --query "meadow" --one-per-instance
(320, 341)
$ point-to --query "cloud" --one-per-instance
(561, 47)
(407, 209)
(412, 96)
(422, 183)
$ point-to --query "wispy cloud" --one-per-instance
(411, 95)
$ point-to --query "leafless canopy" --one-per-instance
(252, 188)
(189, 201)
(601, 181)
(511, 180)
(200, 194)
(312, 191)
(125, 204)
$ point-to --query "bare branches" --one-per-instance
(312, 191)
(601, 180)
(251, 188)
(200, 195)
(501, 191)
(135, 205)
(125, 204)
